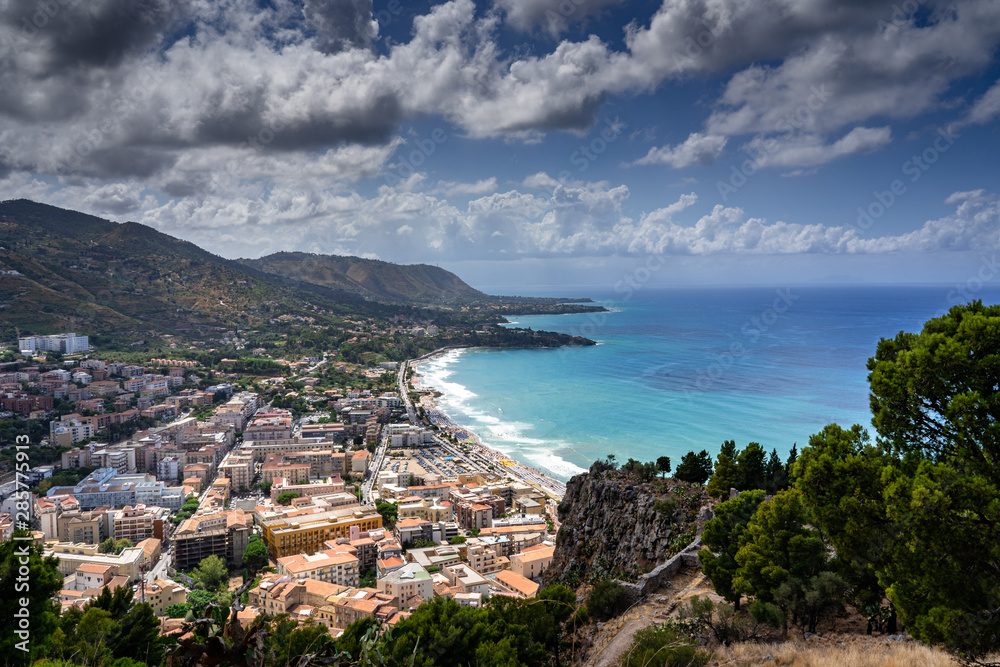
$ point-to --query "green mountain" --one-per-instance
(371, 278)
(61, 270)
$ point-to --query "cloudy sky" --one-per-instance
(524, 142)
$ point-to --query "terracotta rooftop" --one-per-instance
(519, 583)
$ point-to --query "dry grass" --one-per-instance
(870, 653)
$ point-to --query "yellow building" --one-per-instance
(298, 532)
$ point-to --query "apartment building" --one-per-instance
(260, 450)
(359, 461)
(466, 580)
(48, 510)
(128, 563)
(409, 530)
(484, 560)
(65, 432)
(23, 403)
(82, 526)
(407, 587)
(301, 531)
(74, 428)
(67, 343)
(278, 466)
(217, 533)
(238, 468)
(430, 509)
(351, 606)
(521, 586)
(138, 523)
(336, 566)
(161, 593)
(105, 487)
(169, 468)
(331, 431)
(320, 487)
(269, 426)
(405, 435)
(119, 459)
(301, 599)
(473, 516)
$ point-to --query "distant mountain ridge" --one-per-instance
(62, 270)
(371, 278)
(67, 271)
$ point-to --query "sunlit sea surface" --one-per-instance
(682, 369)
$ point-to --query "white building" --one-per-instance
(68, 343)
(105, 487)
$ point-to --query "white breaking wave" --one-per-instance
(507, 437)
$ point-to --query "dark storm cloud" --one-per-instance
(92, 33)
(341, 24)
(252, 123)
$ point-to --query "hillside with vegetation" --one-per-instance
(64, 270)
(423, 284)
(370, 278)
(61, 270)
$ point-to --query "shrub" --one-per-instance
(608, 599)
(665, 506)
(663, 647)
(729, 625)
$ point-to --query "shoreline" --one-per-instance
(548, 485)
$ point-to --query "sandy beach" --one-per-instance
(480, 453)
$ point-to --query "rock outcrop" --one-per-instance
(617, 525)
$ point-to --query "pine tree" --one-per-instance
(726, 473)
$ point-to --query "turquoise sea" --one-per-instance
(682, 369)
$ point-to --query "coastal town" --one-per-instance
(338, 490)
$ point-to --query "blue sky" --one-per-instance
(524, 142)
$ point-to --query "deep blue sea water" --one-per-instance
(682, 369)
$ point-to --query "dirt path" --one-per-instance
(615, 637)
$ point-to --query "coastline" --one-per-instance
(551, 487)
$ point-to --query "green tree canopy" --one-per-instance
(937, 393)
(775, 473)
(255, 556)
(935, 398)
(722, 539)
(694, 468)
(750, 466)
(200, 599)
(211, 572)
(782, 560)
(663, 465)
(138, 636)
(726, 474)
(292, 639)
(94, 634)
(840, 477)
(43, 582)
(504, 632)
(117, 603)
(389, 512)
(287, 497)
(177, 610)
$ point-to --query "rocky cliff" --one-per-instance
(619, 525)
